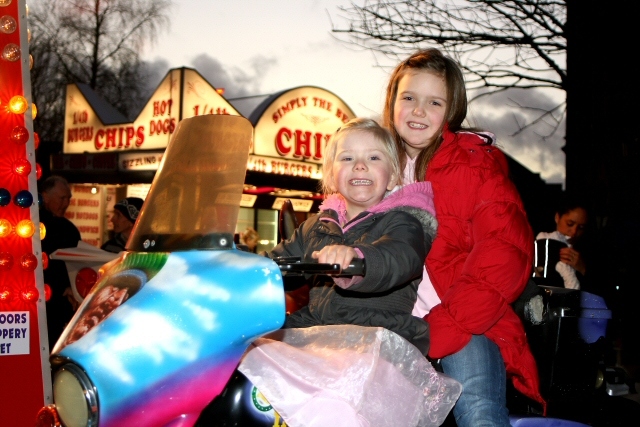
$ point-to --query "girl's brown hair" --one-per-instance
(431, 60)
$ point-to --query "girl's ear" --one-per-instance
(393, 181)
(330, 184)
(557, 219)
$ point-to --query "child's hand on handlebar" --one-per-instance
(335, 254)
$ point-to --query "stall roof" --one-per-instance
(107, 114)
(262, 107)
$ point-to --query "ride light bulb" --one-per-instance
(28, 261)
(5, 294)
(30, 294)
(18, 104)
(19, 135)
(11, 52)
(22, 167)
(6, 261)
(5, 228)
(25, 228)
(8, 24)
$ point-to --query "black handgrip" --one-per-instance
(292, 265)
(357, 267)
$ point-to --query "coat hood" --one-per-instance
(415, 199)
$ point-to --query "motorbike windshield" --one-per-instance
(195, 196)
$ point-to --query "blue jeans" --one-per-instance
(480, 369)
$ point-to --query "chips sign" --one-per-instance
(93, 126)
(291, 128)
(297, 124)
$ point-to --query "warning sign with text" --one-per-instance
(14, 332)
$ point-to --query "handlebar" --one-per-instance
(294, 266)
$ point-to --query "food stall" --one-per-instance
(106, 158)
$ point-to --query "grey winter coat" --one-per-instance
(394, 237)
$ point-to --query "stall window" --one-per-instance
(267, 229)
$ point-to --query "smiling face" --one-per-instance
(362, 171)
(419, 109)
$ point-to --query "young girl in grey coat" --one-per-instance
(355, 354)
(366, 215)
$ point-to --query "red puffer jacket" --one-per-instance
(481, 258)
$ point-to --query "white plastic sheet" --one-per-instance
(348, 376)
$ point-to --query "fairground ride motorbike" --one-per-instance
(159, 337)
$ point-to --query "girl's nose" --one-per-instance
(360, 165)
(418, 111)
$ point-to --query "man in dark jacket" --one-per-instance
(60, 233)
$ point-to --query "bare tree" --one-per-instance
(97, 42)
(47, 88)
(499, 44)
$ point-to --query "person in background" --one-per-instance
(124, 216)
(250, 239)
(60, 233)
(571, 219)
(482, 255)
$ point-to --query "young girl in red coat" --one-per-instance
(481, 257)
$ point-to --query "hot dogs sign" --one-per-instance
(291, 128)
(92, 125)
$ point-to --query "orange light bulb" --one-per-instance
(18, 104)
(5, 228)
(25, 228)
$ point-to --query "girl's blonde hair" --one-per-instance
(434, 61)
(358, 125)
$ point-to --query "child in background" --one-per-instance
(565, 267)
(481, 258)
(250, 238)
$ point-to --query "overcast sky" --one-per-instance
(256, 47)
